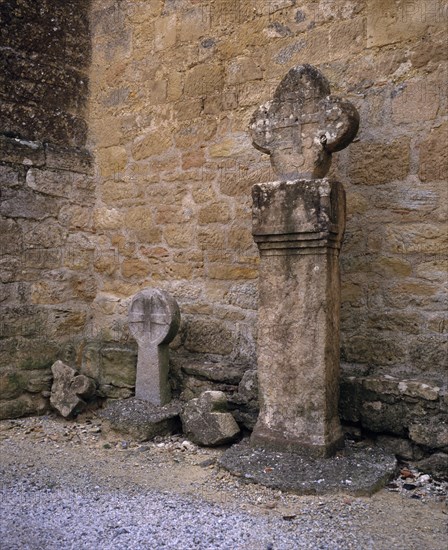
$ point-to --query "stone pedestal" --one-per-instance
(298, 227)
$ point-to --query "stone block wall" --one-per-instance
(410, 414)
(174, 84)
(46, 196)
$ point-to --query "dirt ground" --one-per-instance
(54, 451)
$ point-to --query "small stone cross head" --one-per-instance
(154, 317)
(303, 125)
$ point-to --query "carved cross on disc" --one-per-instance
(153, 317)
(154, 320)
(303, 125)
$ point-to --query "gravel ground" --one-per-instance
(68, 485)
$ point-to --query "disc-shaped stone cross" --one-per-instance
(154, 320)
(303, 125)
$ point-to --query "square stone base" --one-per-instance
(359, 471)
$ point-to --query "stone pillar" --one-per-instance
(154, 320)
(298, 227)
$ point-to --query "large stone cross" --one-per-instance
(154, 320)
(303, 125)
(298, 225)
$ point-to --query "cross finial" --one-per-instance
(303, 125)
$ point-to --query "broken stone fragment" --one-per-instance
(70, 390)
(206, 420)
(436, 465)
(248, 387)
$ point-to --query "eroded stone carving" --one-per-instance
(303, 125)
(154, 319)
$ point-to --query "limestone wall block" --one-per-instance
(165, 32)
(112, 160)
(203, 80)
(433, 155)
(242, 69)
(24, 203)
(416, 238)
(391, 23)
(416, 101)
(193, 25)
(209, 336)
(374, 163)
(22, 152)
(347, 37)
(9, 177)
(214, 213)
(231, 272)
(211, 238)
(193, 135)
(71, 159)
(153, 143)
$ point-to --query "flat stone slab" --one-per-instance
(358, 471)
(140, 419)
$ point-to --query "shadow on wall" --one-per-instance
(47, 194)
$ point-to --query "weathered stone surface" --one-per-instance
(209, 336)
(244, 403)
(374, 163)
(23, 203)
(410, 408)
(70, 390)
(433, 156)
(357, 471)
(432, 433)
(388, 22)
(415, 101)
(303, 125)
(43, 76)
(244, 295)
(401, 448)
(154, 319)
(140, 419)
(192, 387)
(10, 177)
(11, 385)
(248, 387)
(21, 151)
(25, 405)
(206, 420)
(68, 158)
(117, 367)
(12, 236)
(217, 372)
(61, 128)
(435, 465)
